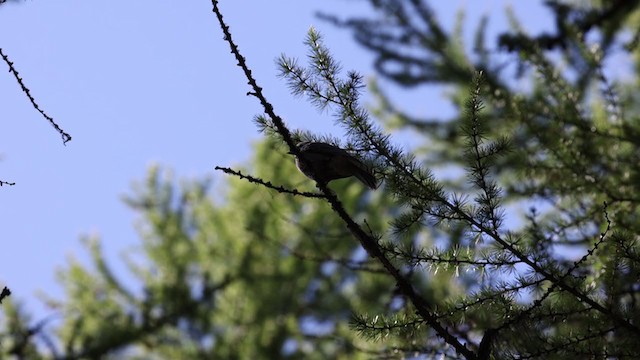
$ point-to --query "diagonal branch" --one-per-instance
(65, 136)
(368, 242)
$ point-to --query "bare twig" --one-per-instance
(6, 183)
(268, 184)
(65, 136)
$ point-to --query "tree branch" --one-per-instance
(368, 242)
(268, 184)
(65, 136)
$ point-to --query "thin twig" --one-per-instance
(65, 136)
(268, 184)
(6, 183)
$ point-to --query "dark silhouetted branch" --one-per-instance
(65, 136)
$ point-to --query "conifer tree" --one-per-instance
(284, 267)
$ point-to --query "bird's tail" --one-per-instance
(364, 174)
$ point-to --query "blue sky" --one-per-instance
(139, 83)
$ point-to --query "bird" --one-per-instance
(325, 162)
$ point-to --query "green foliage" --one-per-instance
(573, 138)
(259, 275)
(422, 267)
